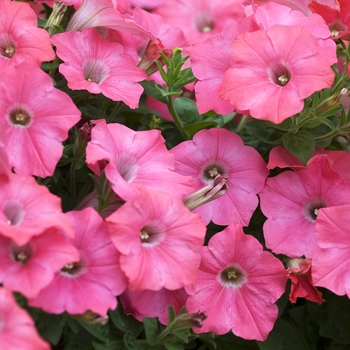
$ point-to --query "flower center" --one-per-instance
(14, 212)
(211, 171)
(313, 207)
(95, 71)
(7, 47)
(21, 254)
(72, 269)
(233, 277)
(19, 117)
(279, 74)
(204, 21)
(151, 236)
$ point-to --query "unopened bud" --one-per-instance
(58, 10)
(93, 318)
(192, 320)
(332, 102)
(217, 189)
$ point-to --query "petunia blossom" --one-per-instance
(237, 286)
(31, 267)
(91, 283)
(99, 66)
(36, 118)
(20, 38)
(222, 152)
(17, 329)
(135, 157)
(291, 202)
(159, 240)
(273, 71)
(27, 209)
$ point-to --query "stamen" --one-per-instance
(213, 172)
(144, 235)
(283, 79)
(316, 211)
(334, 33)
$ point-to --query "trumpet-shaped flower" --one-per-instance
(91, 283)
(273, 71)
(159, 240)
(36, 118)
(221, 152)
(237, 286)
(99, 66)
(135, 157)
(20, 38)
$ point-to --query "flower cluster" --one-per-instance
(172, 160)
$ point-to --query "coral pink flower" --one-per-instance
(95, 280)
(20, 38)
(36, 118)
(331, 263)
(237, 286)
(148, 303)
(159, 240)
(291, 202)
(271, 76)
(337, 17)
(135, 157)
(5, 167)
(99, 66)
(299, 272)
(31, 267)
(219, 151)
(28, 209)
(17, 329)
(200, 19)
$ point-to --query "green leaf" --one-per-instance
(127, 324)
(171, 314)
(173, 346)
(100, 332)
(151, 329)
(300, 144)
(283, 337)
(153, 89)
(49, 327)
(229, 341)
(187, 110)
(192, 129)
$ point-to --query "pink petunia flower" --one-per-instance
(95, 280)
(20, 38)
(17, 329)
(135, 157)
(28, 209)
(149, 303)
(291, 202)
(99, 66)
(31, 267)
(200, 19)
(299, 272)
(271, 76)
(219, 151)
(331, 263)
(237, 286)
(36, 118)
(159, 240)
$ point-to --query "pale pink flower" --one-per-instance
(331, 263)
(135, 157)
(36, 118)
(149, 303)
(291, 202)
(219, 151)
(271, 76)
(99, 66)
(31, 267)
(28, 209)
(103, 13)
(299, 272)
(237, 286)
(159, 240)
(17, 329)
(93, 282)
(200, 19)
(299, 5)
(5, 167)
(20, 38)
